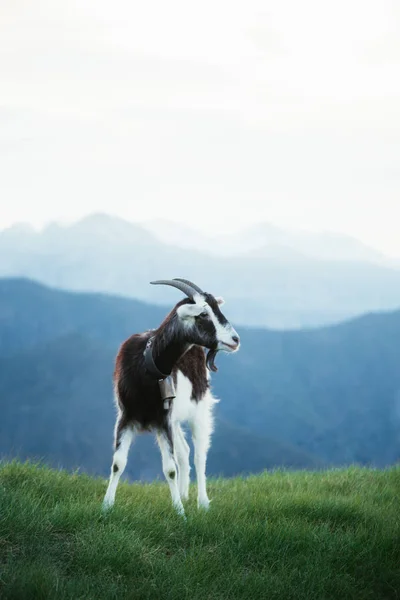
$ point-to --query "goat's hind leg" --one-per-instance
(165, 441)
(124, 434)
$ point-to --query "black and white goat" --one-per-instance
(144, 360)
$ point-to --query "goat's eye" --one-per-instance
(203, 315)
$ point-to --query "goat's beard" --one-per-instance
(211, 354)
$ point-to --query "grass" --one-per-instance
(302, 535)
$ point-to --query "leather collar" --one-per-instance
(150, 364)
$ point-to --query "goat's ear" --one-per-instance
(220, 300)
(185, 311)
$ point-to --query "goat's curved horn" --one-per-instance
(192, 285)
(180, 285)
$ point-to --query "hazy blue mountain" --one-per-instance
(266, 240)
(58, 405)
(57, 351)
(301, 399)
(280, 288)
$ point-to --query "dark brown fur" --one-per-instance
(138, 393)
(193, 366)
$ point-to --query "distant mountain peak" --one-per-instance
(266, 240)
(110, 228)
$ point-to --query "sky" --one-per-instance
(216, 114)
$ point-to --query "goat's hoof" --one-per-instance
(203, 504)
(106, 506)
(180, 510)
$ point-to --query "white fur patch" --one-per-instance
(224, 332)
(187, 311)
(200, 418)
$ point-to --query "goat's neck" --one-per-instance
(167, 350)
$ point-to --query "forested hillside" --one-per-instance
(297, 399)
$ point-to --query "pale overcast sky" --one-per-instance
(217, 111)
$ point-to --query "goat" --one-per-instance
(172, 356)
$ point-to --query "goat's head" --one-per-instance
(202, 320)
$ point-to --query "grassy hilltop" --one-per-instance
(302, 535)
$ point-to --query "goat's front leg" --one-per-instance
(201, 432)
(166, 443)
(182, 452)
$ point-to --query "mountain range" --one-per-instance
(297, 399)
(272, 278)
(266, 240)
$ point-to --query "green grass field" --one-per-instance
(302, 535)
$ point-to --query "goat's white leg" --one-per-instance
(123, 439)
(201, 431)
(166, 443)
(182, 452)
